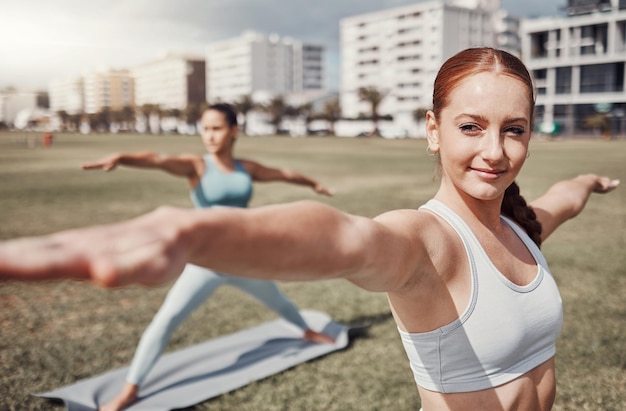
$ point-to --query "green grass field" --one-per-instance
(56, 333)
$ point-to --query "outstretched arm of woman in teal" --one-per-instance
(263, 173)
(179, 165)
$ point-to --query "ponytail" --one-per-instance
(514, 206)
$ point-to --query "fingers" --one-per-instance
(91, 166)
(106, 166)
(41, 258)
(324, 191)
(605, 185)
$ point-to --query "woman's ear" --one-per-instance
(432, 132)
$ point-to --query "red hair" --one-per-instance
(473, 61)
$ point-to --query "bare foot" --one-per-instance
(123, 399)
(319, 338)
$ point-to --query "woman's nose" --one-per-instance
(492, 150)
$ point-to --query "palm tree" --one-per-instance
(332, 113)
(117, 120)
(174, 112)
(276, 109)
(75, 120)
(306, 110)
(374, 97)
(192, 113)
(128, 117)
(419, 114)
(148, 110)
(244, 105)
(102, 119)
(64, 117)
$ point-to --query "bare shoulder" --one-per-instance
(414, 236)
(190, 157)
(190, 165)
(433, 238)
(414, 223)
(250, 165)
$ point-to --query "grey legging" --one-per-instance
(195, 285)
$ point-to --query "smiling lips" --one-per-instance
(488, 174)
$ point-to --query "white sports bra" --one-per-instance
(505, 331)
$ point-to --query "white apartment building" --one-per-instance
(171, 82)
(578, 65)
(13, 102)
(507, 28)
(259, 64)
(399, 51)
(112, 89)
(66, 94)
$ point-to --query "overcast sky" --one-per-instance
(43, 39)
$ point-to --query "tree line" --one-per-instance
(276, 109)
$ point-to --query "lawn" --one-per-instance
(56, 333)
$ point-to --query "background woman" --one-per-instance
(215, 179)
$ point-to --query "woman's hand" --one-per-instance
(320, 189)
(148, 250)
(107, 164)
(602, 184)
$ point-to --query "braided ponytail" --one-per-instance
(514, 206)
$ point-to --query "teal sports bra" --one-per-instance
(217, 188)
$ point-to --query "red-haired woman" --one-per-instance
(477, 309)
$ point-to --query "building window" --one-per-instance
(594, 39)
(602, 78)
(558, 43)
(538, 42)
(621, 35)
(563, 80)
(560, 110)
(540, 74)
(539, 113)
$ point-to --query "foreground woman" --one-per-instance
(476, 307)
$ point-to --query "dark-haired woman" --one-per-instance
(476, 307)
(215, 179)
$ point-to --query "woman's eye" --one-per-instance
(516, 131)
(469, 128)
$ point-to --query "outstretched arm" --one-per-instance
(299, 241)
(567, 198)
(260, 172)
(182, 165)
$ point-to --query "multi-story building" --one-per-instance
(171, 82)
(399, 51)
(507, 30)
(311, 76)
(112, 89)
(255, 63)
(578, 65)
(66, 94)
(14, 101)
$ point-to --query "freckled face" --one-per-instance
(217, 135)
(482, 135)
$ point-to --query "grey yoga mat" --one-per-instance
(194, 374)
